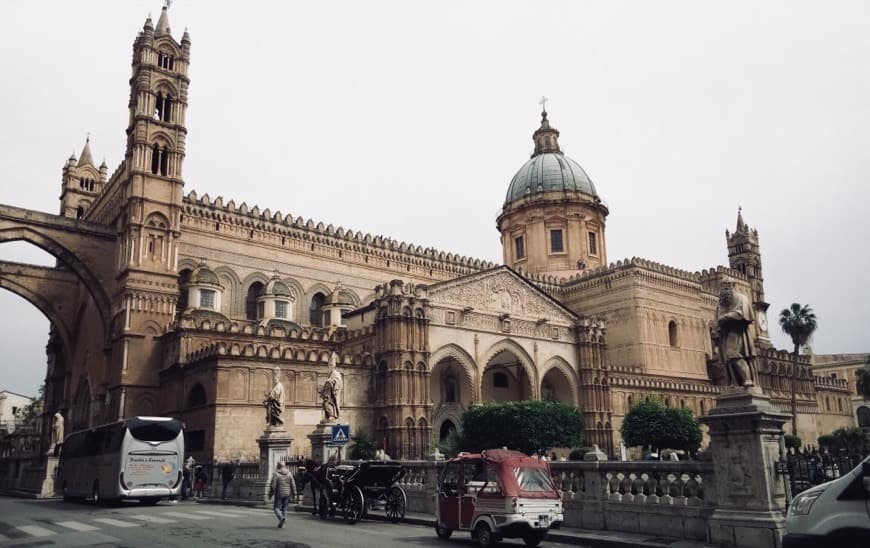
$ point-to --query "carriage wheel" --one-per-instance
(397, 503)
(323, 505)
(354, 504)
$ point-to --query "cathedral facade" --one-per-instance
(168, 302)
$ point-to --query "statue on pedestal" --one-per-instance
(736, 351)
(330, 392)
(274, 401)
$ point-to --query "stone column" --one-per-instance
(321, 438)
(746, 441)
(274, 447)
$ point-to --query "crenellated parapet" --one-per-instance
(300, 234)
(657, 273)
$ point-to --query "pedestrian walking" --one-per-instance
(200, 483)
(228, 474)
(187, 477)
(282, 487)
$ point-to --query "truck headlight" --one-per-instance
(802, 504)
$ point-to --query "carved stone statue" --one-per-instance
(736, 351)
(330, 392)
(56, 432)
(275, 400)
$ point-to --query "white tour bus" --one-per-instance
(135, 458)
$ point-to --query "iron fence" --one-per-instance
(805, 470)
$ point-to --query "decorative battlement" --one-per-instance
(297, 227)
(626, 377)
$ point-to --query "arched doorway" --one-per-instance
(505, 379)
(556, 386)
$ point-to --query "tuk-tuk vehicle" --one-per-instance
(497, 494)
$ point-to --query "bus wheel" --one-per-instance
(95, 493)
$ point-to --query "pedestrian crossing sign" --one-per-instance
(340, 434)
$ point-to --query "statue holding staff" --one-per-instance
(330, 392)
(275, 400)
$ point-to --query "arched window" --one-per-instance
(672, 333)
(183, 279)
(500, 380)
(629, 402)
(703, 408)
(196, 396)
(159, 160)
(165, 61)
(163, 107)
(254, 291)
(315, 311)
(80, 212)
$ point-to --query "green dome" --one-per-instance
(551, 171)
(548, 170)
(277, 288)
(204, 275)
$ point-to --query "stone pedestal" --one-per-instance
(321, 451)
(48, 486)
(746, 441)
(274, 447)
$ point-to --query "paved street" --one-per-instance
(53, 523)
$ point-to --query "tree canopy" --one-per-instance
(526, 426)
(651, 424)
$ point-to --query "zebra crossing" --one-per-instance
(10, 532)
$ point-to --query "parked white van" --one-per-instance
(836, 513)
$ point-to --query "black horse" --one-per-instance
(317, 474)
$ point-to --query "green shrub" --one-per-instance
(527, 426)
(652, 425)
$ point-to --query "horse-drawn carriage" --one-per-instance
(355, 489)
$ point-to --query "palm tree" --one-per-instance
(799, 323)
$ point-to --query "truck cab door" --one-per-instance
(448, 496)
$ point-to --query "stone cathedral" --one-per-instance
(168, 302)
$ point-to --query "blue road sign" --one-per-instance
(340, 434)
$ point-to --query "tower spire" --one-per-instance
(163, 22)
(741, 226)
(85, 159)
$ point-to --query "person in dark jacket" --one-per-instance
(282, 487)
(228, 473)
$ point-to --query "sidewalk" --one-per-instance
(566, 535)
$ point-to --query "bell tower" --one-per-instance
(744, 255)
(149, 194)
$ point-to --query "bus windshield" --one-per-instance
(150, 430)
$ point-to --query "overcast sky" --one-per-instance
(410, 120)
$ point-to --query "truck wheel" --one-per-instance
(484, 535)
(442, 532)
(534, 538)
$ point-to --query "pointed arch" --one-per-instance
(528, 365)
(469, 367)
(89, 279)
(558, 363)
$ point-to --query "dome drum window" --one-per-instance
(519, 248)
(206, 298)
(200, 289)
(557, 244)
